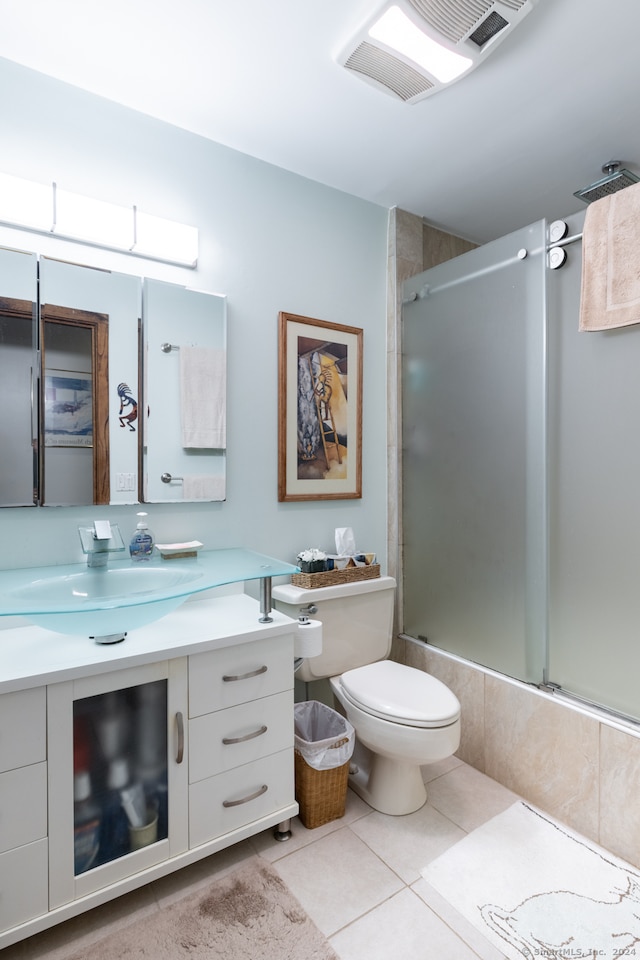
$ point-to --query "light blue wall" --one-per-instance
(270, 241)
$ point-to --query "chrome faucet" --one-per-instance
(99, 541)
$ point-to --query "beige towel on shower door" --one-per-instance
(610, 293)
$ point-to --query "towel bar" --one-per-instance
(567, 240)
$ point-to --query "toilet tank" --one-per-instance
(357, 623)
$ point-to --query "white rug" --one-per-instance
(536, 889)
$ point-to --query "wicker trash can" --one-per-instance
(324, 742)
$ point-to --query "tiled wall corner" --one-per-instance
(406, 236)
(439, 246)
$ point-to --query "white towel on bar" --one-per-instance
(610, 293)
(203, 488)
(203, 388)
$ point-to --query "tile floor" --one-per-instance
(358, 878)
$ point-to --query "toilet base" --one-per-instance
(389, 786)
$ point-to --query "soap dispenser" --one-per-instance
(141, 546)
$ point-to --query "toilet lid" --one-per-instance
(402, 694)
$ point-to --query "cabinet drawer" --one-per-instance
(23, 732)
(248, 671)
(228, 738)
(221, 804)
(23, 884)
(23, 806)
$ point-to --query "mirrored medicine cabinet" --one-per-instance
(112, 387)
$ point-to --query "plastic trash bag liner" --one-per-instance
(323, 737)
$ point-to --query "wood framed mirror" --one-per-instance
(74, 412)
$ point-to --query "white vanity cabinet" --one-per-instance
(240, 736)
(220, 746)
(23, 807)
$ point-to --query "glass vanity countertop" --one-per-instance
(70, 588)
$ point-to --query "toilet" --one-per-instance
(403, 718)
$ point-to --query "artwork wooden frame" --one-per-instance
(68, 409)
(319, 409)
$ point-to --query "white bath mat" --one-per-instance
(537, 890)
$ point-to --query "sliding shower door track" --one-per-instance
(557, 691)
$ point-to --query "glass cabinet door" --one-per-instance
(117, 774)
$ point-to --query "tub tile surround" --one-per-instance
(579, 767)
(619, 791)
(563, 779)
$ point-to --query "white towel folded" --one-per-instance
(203, 391)
(203, 488)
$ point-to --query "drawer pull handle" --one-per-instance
(245, 676)
(252, 796)
(248, 736)
(180, 727)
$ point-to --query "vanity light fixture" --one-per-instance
(164, 239)
(26, 203)
(46, 208)
(414, 48)
(91, 221)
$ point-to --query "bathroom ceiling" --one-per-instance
(499, 149)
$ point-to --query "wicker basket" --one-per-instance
(331, 577)
(321, 794)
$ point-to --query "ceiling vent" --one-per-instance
(467, 30)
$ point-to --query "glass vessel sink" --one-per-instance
(105, 603)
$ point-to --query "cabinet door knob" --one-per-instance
(248, 736)
(180, 728)
(252, 796)
(229, 678)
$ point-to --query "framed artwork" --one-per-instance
(68, 409)
(319, 410)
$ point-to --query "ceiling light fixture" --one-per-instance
(414, 48)
(46, 208)
(396, 30)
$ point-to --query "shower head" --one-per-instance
(615, 179)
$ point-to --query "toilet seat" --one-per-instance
(401, 694)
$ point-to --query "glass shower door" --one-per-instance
(474, 463)
(594, 602)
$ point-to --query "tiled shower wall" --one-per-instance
(577, 765)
